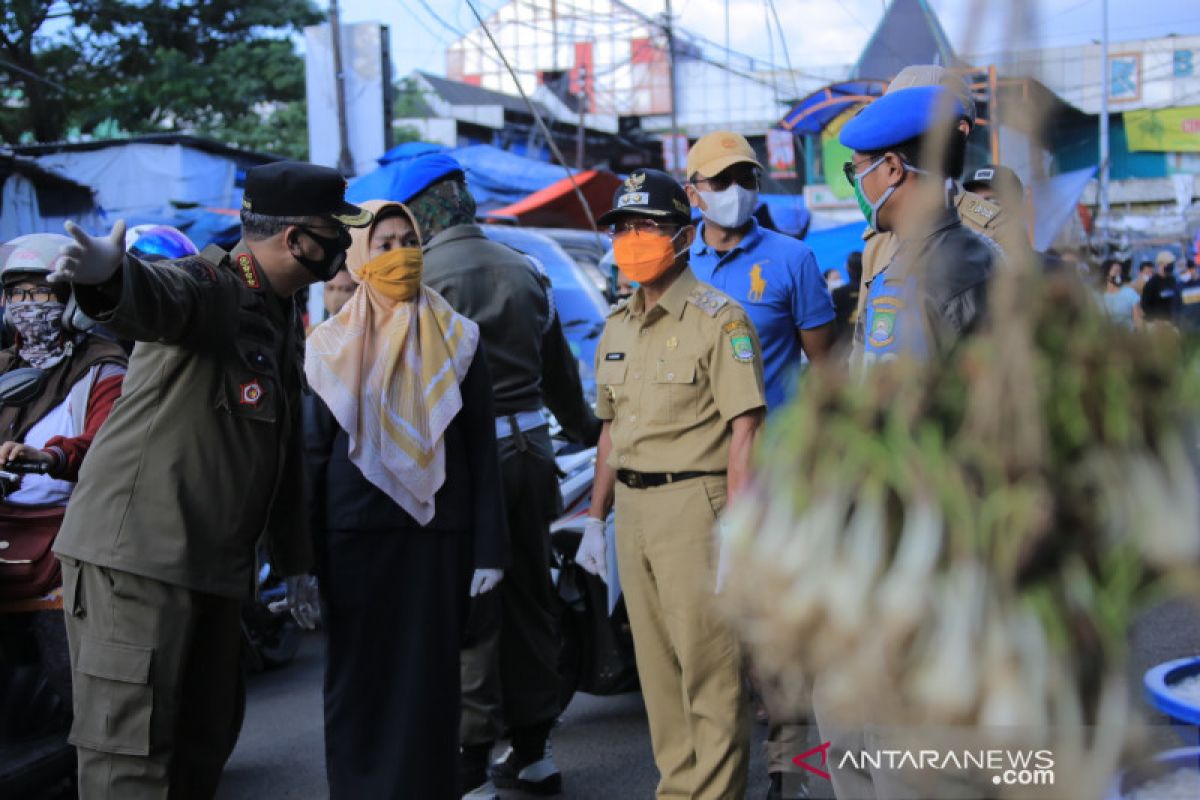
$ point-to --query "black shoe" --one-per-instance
(540, 777)
(473, 776)
(797, 788)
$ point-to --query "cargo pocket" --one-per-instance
(114, 699)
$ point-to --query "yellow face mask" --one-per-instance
(395, 274)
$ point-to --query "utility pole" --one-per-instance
(345, 163)
(1106, 85)
(670, 31)
(583, 104)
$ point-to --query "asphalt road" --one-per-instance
(602, 744)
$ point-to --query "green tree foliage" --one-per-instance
(224, 68)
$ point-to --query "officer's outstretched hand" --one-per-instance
(592, 554)
(484, 580)
(90, 260)
(303, 600)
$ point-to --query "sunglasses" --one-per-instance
(643, 225)
(747, 179)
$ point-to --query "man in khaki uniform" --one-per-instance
(680, 390)
(1005, 228)
(200, 458)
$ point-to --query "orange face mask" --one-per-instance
(644, 257)
(396, 274)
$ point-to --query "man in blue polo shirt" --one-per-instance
(774, 277)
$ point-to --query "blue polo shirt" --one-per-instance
(777, 280)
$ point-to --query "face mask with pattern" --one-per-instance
(39, 326)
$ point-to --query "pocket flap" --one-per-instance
(611, 373)
(675, 370)
(114, 661)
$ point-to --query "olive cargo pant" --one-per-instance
(509, 664)
(689, 661)
(157, 684)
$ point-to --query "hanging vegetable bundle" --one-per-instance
(966, 542)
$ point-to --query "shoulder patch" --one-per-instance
(248, 271)
(708, 300)
(197, 267)
(977, 212)
(740, 340)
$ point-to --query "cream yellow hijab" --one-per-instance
(390, 373)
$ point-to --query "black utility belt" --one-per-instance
(648, 480)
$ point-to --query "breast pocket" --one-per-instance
(674, 390)
(610, 380)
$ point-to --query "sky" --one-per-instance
(820, 34)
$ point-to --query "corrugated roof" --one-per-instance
(457, 93)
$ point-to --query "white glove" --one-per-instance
(484, 580)
(302, 600)
(90, 260)
(592, 553)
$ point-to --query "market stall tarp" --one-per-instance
(495, 177)
(813, 113)
(557, 206)
(788, 212)
(1054, 203)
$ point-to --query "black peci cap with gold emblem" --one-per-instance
(649, 193)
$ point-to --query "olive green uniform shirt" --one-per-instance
(672, 378)
(201, 455)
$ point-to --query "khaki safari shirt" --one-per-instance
(671, 379)
(201, 455)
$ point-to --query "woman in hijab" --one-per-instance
(407, 515)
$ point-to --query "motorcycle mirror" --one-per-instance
(20, 386)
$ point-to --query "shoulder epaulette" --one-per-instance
(708, 300)
(203, 267)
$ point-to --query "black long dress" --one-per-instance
(394, 596)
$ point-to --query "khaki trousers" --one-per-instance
(689, 661)
(157, 684)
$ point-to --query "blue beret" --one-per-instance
(423, 172)
(898, 117)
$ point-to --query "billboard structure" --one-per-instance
(367, 93)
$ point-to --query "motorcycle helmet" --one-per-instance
(158, 243)
(34, 255)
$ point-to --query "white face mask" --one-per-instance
(731, 208)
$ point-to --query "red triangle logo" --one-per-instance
(802, 759)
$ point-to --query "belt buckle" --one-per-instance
(635, 480)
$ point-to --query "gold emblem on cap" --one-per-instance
(728, 143)
(672, 343)
(634, 182)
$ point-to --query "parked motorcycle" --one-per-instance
(597, 648)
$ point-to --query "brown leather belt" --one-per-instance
(648, 480)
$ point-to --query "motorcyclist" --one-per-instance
(82, 380)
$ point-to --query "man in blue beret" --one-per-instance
(511, 647)
(933, 291)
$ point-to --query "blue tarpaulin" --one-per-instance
(813, 113)
(832, 245)
(495, 177)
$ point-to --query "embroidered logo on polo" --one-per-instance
(251, 394)
(249, 273)
(740, 340)
(758, 284)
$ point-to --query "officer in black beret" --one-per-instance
(198, 462)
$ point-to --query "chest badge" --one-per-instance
(758, 284)
(249, 273)
(883, 320)
(251, 394)
(672, 343)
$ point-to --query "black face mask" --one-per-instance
(333, 254)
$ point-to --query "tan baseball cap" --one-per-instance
(1163, 258)
(717, 152)
(933, 75)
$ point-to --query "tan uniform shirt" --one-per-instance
(671, 379)
(978, 214)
